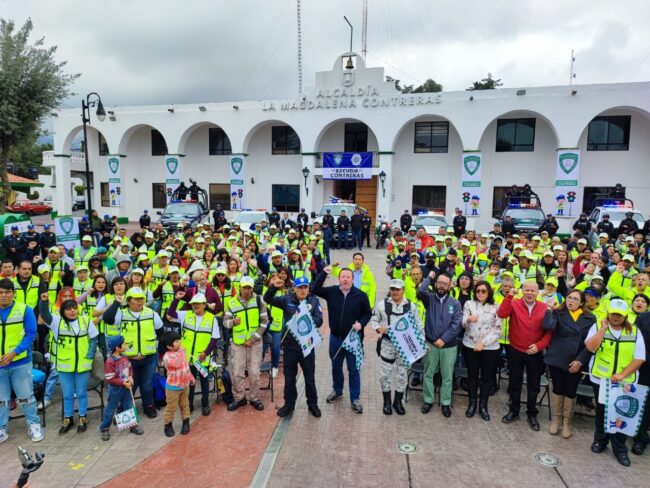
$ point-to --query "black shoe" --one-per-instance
(623, 459)
(285, 410)
(136, 430)
(257, 404)
(185, 429)
(150, 411)
(83, 424)
(68, 423)
(332, 397)
(235, 405)
(471, 409)
(426, 407)
(483, 411)
(205, 408)
(533, 423)
(397, 403)
(446, 411)
(598, 446)
(638, 447)
(388, 409)
(169, 430)
(415, 381)
(314, 410)
(510, 417)
(356, 406)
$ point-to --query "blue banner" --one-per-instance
(347, 166)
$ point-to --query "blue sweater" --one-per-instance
(28, 339)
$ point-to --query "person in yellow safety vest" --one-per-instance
(136, 280)
(411, 283)
(247, 316)
(17, 334)
(500, 293)
(143, 262)
(60, 270)
(47, 283)
(364, 279)
(118, 288)
(75, 336)
(526, 269)
(92, 298)
(282, 282)
(595, 304)
(81, 283)
(640, 283)
(199, 335)
(166, 290)
(198, 250)
(140, 327)
(579, 248)
(398, 269)
(26, 285)
(618, 352)
(493, 276)
(481, 266)
(234, 273)
(158, 271)
(297, 267)
(83, 254)
(547, 267)
(149, 246)
(451, 264)
(537, 249)
(550, 293)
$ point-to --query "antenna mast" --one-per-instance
(364, 30)
(572, 73)
(299, 48)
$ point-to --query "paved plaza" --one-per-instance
(341, 449)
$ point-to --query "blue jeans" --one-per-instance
(18, 378)
(50, 384)
(143, 370)
(72, 383)
(117, 395)
(343, 239)
(275, 348)
(357, 237)
(337, 369)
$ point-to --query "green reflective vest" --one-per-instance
(158, 273)
(30, 295)
(81, 286)
(72, 348)
(139, 332)
(277, 314)
(614, 355)
(110, 329)
(196, 337)
(89, 254)
(249, 319)
(12, 331)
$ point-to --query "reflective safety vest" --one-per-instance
(249, 319)
(225, 297)
(277, 314)
(30, 295)
(56, 270)
(298, 272)
(235, 281)
(614, 355)
(158, 273)
(167, 298)
(149, 250)
(89, 307)
(530, 274)
(547, 274)
(72, 348)
(505, 323)
(52, 288)
(110, 329)
(81, 286)
(89, 254)
(139, 332)
(12, 331)
(196, 337)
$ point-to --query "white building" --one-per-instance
(356, 110)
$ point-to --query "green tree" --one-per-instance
(429, 86)
(396, 82)
(27, 155)
(488, 83)
(32, 83)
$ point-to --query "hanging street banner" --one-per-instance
(471, 183)
(407, 338)
(567, 177)
(237, 175)
(67, 231)
(115, 180)
(303, 329)
(624, 406)
(347, 166)
(172, 174)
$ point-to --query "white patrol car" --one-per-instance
(247, 218)
(431, 222)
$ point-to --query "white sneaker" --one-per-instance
(274, 372)
(47, 403)
(36, 433)
(3, 435)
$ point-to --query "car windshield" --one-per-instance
(430, 220)
(618, 216)
(251, 218)
(182, 210)
(525, 213)
(336, 210)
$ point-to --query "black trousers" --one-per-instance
(618, 439)
(205, 385)
(481, 369)
(533, 364)
(366, 236)
(642, 435)
(292, 358)
(564, 383)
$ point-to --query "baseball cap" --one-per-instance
(396, 283)
(452, 252)
(135, 293)
(537, 238)
(148, 235)
(296, 251)
(180, 225)
(221, 270)
(431, 254)
(582, 240)
(114, 342)
(507, 273)
(629, 239)
(518, 246)
(200, 240)
(138, 270)
(87, 238)
(198, 298)
(54, 249)
(30, 226)
(551, 281)
(528, 254)
(302, 281)
(548, 253)
(628, 257)
(604, 235)
(82, 267)
(46, 226)
(106, 216)
(597, 277)
(558, 248)
(173, 269)
(275, 254)
(163, 254)
(247, 281)
(101, 250)
(617, 306)
(464, 242)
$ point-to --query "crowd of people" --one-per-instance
(179, 300)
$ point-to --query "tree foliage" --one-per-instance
(32, 84)
(489, 83)
(429, 86)
(27, 155)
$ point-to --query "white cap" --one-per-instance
(247, 281)
(198, 298)
(148, 235)
(87, 238)
(138, 270)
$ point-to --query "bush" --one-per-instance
(33, 196)
(80, 189)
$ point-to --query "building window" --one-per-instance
(286, 198)
(356, 137)
(106, 198)
(284, 140)
(429, 199)
(158, 144)
(431, 137)
(219, 142)
(220, 193)
(515, 135)
(159, 192)
(609, 133)
(499, 200)
(103, 145)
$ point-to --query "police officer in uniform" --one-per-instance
(293, 355)
(628, 225)
(219, 217)
(48, 239)
(302, 218)
(606, 226)
(405, 221)
(582, 224)
(366, 224)
(145, 220)
(460, 223)
(328, 232)
(274, 218)
(14, 245)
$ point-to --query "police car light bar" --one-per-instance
(616, 205)
(522, 205)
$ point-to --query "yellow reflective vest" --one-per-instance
(249, 319)
(196, 337)
(12, 331)
(72, 348)
(139, 332)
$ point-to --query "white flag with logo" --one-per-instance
(624, 406)
(407, 338)
(352, 343)
(304, 330)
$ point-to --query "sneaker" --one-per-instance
(3, 435)
(274, 372)
(333, 397)
(356, 406)
(136, 430)
(36, 433)
(106, 435)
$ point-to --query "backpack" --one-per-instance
(226, 381)
(159, 385)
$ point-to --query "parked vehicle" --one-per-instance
(79, 203)
(431, 222)
(29, 207)
(335, 207)
(382, 233)
(526, 216)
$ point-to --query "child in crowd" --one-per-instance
(119, 376)
(179, 378)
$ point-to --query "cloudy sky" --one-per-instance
(172, 51)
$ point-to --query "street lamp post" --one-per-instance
(85, 118)
(305, 174)
(382, 178)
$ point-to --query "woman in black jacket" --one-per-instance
(566, 356)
